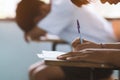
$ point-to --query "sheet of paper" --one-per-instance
(50, 55)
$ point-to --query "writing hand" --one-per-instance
(77, 46)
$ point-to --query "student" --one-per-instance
(102, 53)
(96, 53)
(62, 18)
(28, 13)
(40, 70)
(61, 21)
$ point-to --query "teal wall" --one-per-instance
(15, 54)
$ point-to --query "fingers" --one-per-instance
(70, 55)
(79, 3)
(86, 57)
(64, 56)
(110, 1)
(77, 46)
(77, 42)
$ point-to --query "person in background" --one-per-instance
(60, 19)
(28, 14)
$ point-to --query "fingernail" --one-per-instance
(59, 57)
(68, 58)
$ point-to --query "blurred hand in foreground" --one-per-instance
(34, 34)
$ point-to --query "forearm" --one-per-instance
(116, 28)
(114, 58)
(112, 45)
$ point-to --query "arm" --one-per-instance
(116, 28)
(77, 46)
(109, 56)
(91, 52)
(87, 44)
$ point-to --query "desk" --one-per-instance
(54, 39)
(55, 42)
(92, 67)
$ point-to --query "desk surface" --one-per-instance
(50, 59)
(78, 64)
(52, 38)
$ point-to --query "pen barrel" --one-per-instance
(81, 41)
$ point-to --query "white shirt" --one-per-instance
(61, 21)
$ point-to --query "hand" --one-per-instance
(110, 1)
(34, 34)
(110, 56)
(79, 3)
(77, 46)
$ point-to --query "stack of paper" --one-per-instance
(50, 55)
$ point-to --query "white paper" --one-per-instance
(50, 54)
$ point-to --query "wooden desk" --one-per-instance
(55, 42)
(82, 65)
(91, 67)
(54, 39)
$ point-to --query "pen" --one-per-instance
(78, 27)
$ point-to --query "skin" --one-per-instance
(77, 46)
(79, 2)
(106, 56)
(116, 28)
(36, 32)
(107, 53)
(110, 1)
(45, 11)
(40, 71)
